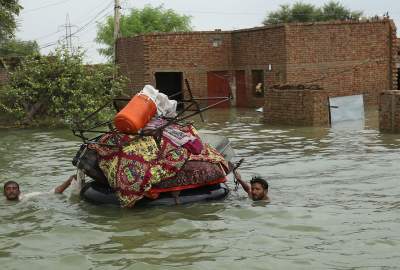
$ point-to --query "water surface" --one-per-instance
(335, 205)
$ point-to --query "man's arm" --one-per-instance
(60, 189)
(246, 186)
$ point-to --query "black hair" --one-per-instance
(9, 183)
(259, 180)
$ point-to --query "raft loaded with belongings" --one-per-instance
(152, 157)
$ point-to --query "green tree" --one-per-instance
(138, 21)
(335, 11)
(58, 86)
(18, 48)
(9, 9)
(301, 12)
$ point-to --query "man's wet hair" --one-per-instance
(259, 180)
(9, 183)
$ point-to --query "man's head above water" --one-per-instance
(11, 190)
(259, 188)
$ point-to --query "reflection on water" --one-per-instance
(335, 205)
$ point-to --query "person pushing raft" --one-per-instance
(148, 154)
(257, 189)
(12, 191)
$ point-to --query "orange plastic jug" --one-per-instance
(136, 114)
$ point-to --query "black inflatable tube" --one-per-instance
(97, 194)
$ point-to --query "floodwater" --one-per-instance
(335, 205)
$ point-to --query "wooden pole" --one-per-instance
(117, 16)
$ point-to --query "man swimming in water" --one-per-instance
(12, 192)
(257, 190)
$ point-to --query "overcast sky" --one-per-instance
(45, 20)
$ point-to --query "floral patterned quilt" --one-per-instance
(138, 162)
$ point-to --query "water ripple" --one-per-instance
(335, 205)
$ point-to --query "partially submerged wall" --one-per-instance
(192, 53)
(348, 58)
(389, 111)
(297, 107)
(259, 49)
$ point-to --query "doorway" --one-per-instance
(170, 83)
(218, 86)
(258, 82)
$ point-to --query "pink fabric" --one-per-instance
(195, 147)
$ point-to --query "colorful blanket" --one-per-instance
(192, 173)
(137, 162)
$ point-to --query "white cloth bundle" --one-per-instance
(165, 106)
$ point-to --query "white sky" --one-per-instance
(44, 20)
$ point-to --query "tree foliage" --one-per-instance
(138, 21)
(302, 12)
(58, 86)
(18, 48)
(9, 9)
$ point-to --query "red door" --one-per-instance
(241, 97)
(218, 86)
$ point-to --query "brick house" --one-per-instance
(346, 57)
(398, 63)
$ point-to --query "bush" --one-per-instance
(58, 86)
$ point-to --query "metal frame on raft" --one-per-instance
(192, 106)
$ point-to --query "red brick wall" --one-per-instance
(255, 49)
(297, 107)
(395, 57)
(345, 57)
(396, 69)
(130, 59)
(389, 111)
(398, 51)
(191, 53)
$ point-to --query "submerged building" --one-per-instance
(344, 57)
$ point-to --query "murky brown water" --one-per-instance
(335, 205)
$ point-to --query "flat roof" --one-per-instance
(258, 28)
